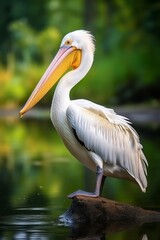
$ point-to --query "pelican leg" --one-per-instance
(99, 180)
(102, 184)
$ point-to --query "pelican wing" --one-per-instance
(110, 136)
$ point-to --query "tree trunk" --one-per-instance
(90, 13)
(95, 215)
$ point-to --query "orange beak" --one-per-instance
(66, 58)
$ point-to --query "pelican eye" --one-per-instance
(68, 42)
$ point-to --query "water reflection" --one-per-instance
(39, 223)
(37, 173)
(28, 223)
(144, 237)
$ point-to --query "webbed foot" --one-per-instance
(83, 193)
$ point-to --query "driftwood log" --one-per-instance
(88, 215)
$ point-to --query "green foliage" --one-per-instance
(24, 61)
(127, 40)
(33, 45)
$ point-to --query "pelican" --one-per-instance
(102, 140)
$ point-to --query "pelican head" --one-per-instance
(72, 50)
(80, 39)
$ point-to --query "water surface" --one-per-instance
(37, 173)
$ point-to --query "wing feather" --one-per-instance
(110, 136)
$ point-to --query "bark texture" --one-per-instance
(88, 215)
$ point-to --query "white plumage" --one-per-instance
(102, 140)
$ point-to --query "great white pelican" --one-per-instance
(99, 138)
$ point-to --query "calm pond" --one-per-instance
(37, 173)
